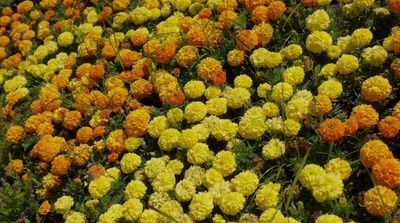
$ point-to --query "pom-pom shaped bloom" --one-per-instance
(237, 97)
(291, 127)
(376, 88)
(309, 173)
(136, 123)
(347, 64)
(211, 69)
(327, 187)
(75, 217)
(195, 174)
(164, 181)
(133, 209)
(252, 127)
(195, 111)
(157, 125)
(296, 109)
(187, 55)
(375, 55)
(135, 189)
(63, 204)
(175, 115)
(224, 130)
(331, 88)
(274, 149)
(268, 196)
(199, 154)
(235, 57)
(15, 133)
(318, 21)
(169, 139)
(389, 126)
(99, 187)
(361, 37)
(261, 57)
(328, 218)
(373, 152)
(188, 138)
(263, 89)
(129, 162)
(201, 206)
(232, 203)
(217, 106)
(320, 105)
(332, 129)
(243, 81)
(292, 52)
(387, 173)
(185, 190)
(282, 92)
(212, 177)
(339, 167)
(225, 162)
(293, 75)
(271, 215)
(60, 165)
(380, 201)
(318, 41)
(366, 116)
(65, 39)
(194, 89)
(246, 39)
(245, 182)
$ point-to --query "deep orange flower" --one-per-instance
(373, 152)
(320, 105)
(96, 171)
(351, 126)
(366, 116)
(14, 166)
(205, 13)
(60, 165)
(276, 9)
(246, 40)
(389, 126)
(72, 120)
(15, 133)
(84, 134)
(112, 157)
(387, 173)
(259, 14)
(44, 208)
(394, 6)
(332, 129)
(99, 131)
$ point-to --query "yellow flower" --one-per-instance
(291, 127)
(217, 106)
(272, 215)
(225, 162)
(318, 21)
(99, 186)
(224, 130)
(294, 75)
(261, 57)
(274, 125)
(318, 41)
(347, 64)
(135, 189)
(133, 143)
(202, 132)
(263, 89)
(309, 173)
(328, 218)
(331, 88)
(115, 212)
(243, 81)
(181, 5)
(334, 52)
(195, 111)
(267, 196)
(237, 97)
(361, 37)
(169, 139)
(274, 149)
(339, 167)
(133, 209)
(195, 174)
(149, 216)
(199, 154)
(194, 89)
(65, 39)
(185, 190)
(157, 125)
(327, 187)
(296, 109)
(175, 115)
(157, 199)
(188, 138)
(328, 70)
(113, 173)
(153, 167)
(232, 203)
(213, 91)
(375, 55)
(63, 204)
(201, 206)
(175, 166)
(164, 181)
(376, 88)
(245, 183)
(139, 15)
(129, 162)
(292, 52)
(282, 92)
(212, 177)
(271, 109)
(251, 127)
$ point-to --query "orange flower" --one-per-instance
(69, 63)
(395, 67)
(186, 23)
(205, 13)
(99, 131)
(44, 129)
(60, 165)
(251, 4)
(48, 147)
(332, 129)
(24, 7)
(98, 99)
(112, 157)
(187, 55)
(141, 89)
(136, 123)
(151, 46)
(380, 201)
(211, 69)
(276, 9)
(117, 97)
(7, 11)
(84, 134)
(14, 166)
(320, 105)
(394, 6)
(246, 40)
(259, 14)
(175, 98)
(308, 3)
(226, 5)
(389, 126)
(227, 18)
(49, 97)
(109, 50)
(366, 116)
(128, 57)
(72, 120)
(351, 126)
(387, 173)
(80, 154)
(396, 42)
(15, 133)
(373, 152)
(166, 50)
(44, 208)
(83, 102)
(96, 171)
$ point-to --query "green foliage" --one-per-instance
(244, 154)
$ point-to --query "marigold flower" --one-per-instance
(376, 88)
(386, 172)
(136, 123)
(15, 166)
(328, 218)
(332, 129)
(235, 57)
(186, 55)
(320, 105)
(201, 206)
(60, 165)
(366, 116)
(389, 126)
(211, 69)
(44, 208)
(276, 9)
(351, 126)
(15, 133)
(380, 201)
(318, 41)
(331, 88)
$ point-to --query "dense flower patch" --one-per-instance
(157, 111)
